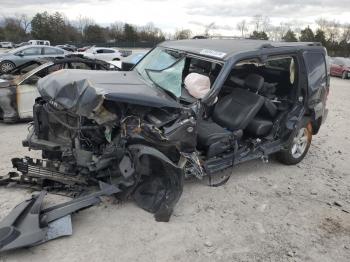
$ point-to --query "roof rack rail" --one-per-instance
(266, 46)
(315, 44)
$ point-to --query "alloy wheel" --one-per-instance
(6, 66)
(300, 143)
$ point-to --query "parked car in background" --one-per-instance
(84, 48)
(25, 68)
(129, 62)
(18, 91)
(125, 53)
(70, 48)
(39, 42)
(340, 66)
(21, 44)
(102, 53)
(6, 44)
(21, 55)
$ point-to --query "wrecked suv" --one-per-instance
(188, 109)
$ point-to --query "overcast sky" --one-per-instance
(172, 14)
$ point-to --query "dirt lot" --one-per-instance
(266, 212)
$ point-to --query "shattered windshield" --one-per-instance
(163, 68)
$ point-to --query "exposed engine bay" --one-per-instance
(86, 139)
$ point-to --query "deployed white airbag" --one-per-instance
(197, 85)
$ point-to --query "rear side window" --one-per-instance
(280, 63)
(51, 51)
(32, 51)
(106, 51)
(316, 68)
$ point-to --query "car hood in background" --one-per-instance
(82, 91)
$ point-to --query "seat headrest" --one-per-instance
(197, 85)
(254, 82)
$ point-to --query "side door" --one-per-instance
(52, 52)
(338, 67)
(28, 54)
(334, 67)
(318, 82)
(107, 54)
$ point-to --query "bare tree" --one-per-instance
(322, 23)
(25, 22)
(182, 34)
(257, 22)
(333, 30)
(276, 33)
(209, 27)
(117, 30)
(265, 23)
(84, 22)
(242, 26)
(346, 33)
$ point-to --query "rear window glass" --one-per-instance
(32, 51)
(50, 51)
(316, 68)
(280, 63)
(108, 51)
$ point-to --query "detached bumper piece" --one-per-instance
(28, 224)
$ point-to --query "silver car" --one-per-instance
(21, 55)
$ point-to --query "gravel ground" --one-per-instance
(266, 212)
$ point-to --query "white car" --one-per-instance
(39, 42)
(6, 44)
(102, 53)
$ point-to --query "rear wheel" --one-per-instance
(6, 66)
(344, 75)
(298, 147)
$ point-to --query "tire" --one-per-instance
(6, 66)
(297, 148)
(344, 75)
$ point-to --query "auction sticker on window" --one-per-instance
(213, 53)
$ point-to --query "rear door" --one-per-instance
(28, 54)
(106, 54)
(338, 67)
(52, 52)
(318, 81)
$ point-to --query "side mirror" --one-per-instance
(20, 54)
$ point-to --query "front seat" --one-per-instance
(231, 116)
(237, 109)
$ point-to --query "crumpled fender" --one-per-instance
(161, 181)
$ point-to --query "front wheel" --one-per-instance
(297, 148)
(6, 66)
